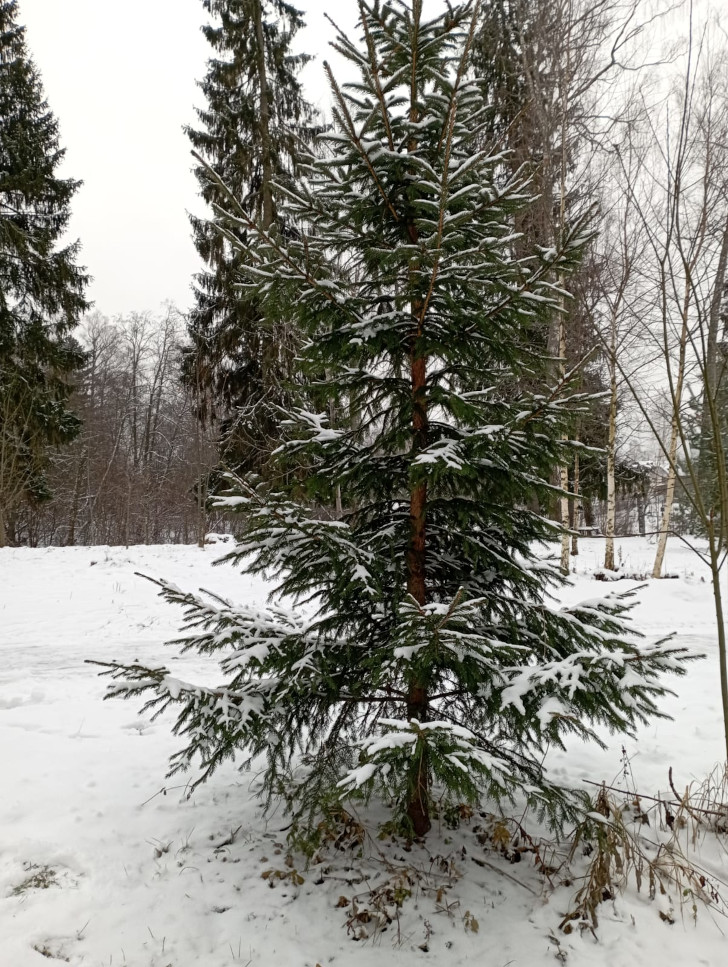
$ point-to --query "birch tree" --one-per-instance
(682, 202)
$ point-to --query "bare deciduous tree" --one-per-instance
(136, 473)
(681, 199)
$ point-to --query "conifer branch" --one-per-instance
(460, 73)
(357, 142)
(375, 73)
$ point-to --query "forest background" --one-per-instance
(618, 107)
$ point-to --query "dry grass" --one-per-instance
(40, 878)
(653, 847)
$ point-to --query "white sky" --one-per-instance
(121, 80)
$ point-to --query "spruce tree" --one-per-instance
(422, 657)
(240, 364)
(41, 286)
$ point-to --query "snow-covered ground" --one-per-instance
(105, 862)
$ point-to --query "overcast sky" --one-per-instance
(121, 80)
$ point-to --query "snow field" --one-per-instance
(99, 867)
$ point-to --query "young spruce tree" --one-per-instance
(41, 286)
(240, 363)
(423, 660)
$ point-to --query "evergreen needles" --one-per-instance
(41, 286)
(239, 363)
(413, 650)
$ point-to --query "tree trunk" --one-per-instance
(80, 473)
(672, 452)
(711, 353)
(564, 470)
(578, 510)
(266, 155)
(418, 495)
(201, 488)
(565, 76)
(641, 514)
(418, 806)
(564, 516)
(669, 498)
(715, 570)
(611, 448)
(707, 468)
(3, 532)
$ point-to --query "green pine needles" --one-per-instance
(42, 288)
(412, 650)
(239, 365)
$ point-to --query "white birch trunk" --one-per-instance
(672, 451)
(578, 508)
(669, 499)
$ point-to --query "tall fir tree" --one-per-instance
(536, 60)
(424, 658)
(255, 118)
(41, 285)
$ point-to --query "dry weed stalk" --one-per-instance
(614, 841)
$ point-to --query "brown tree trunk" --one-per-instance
(418, 805)
(418, 496)
(266, 158)
(418, 808)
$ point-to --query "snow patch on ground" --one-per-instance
(104, 862)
